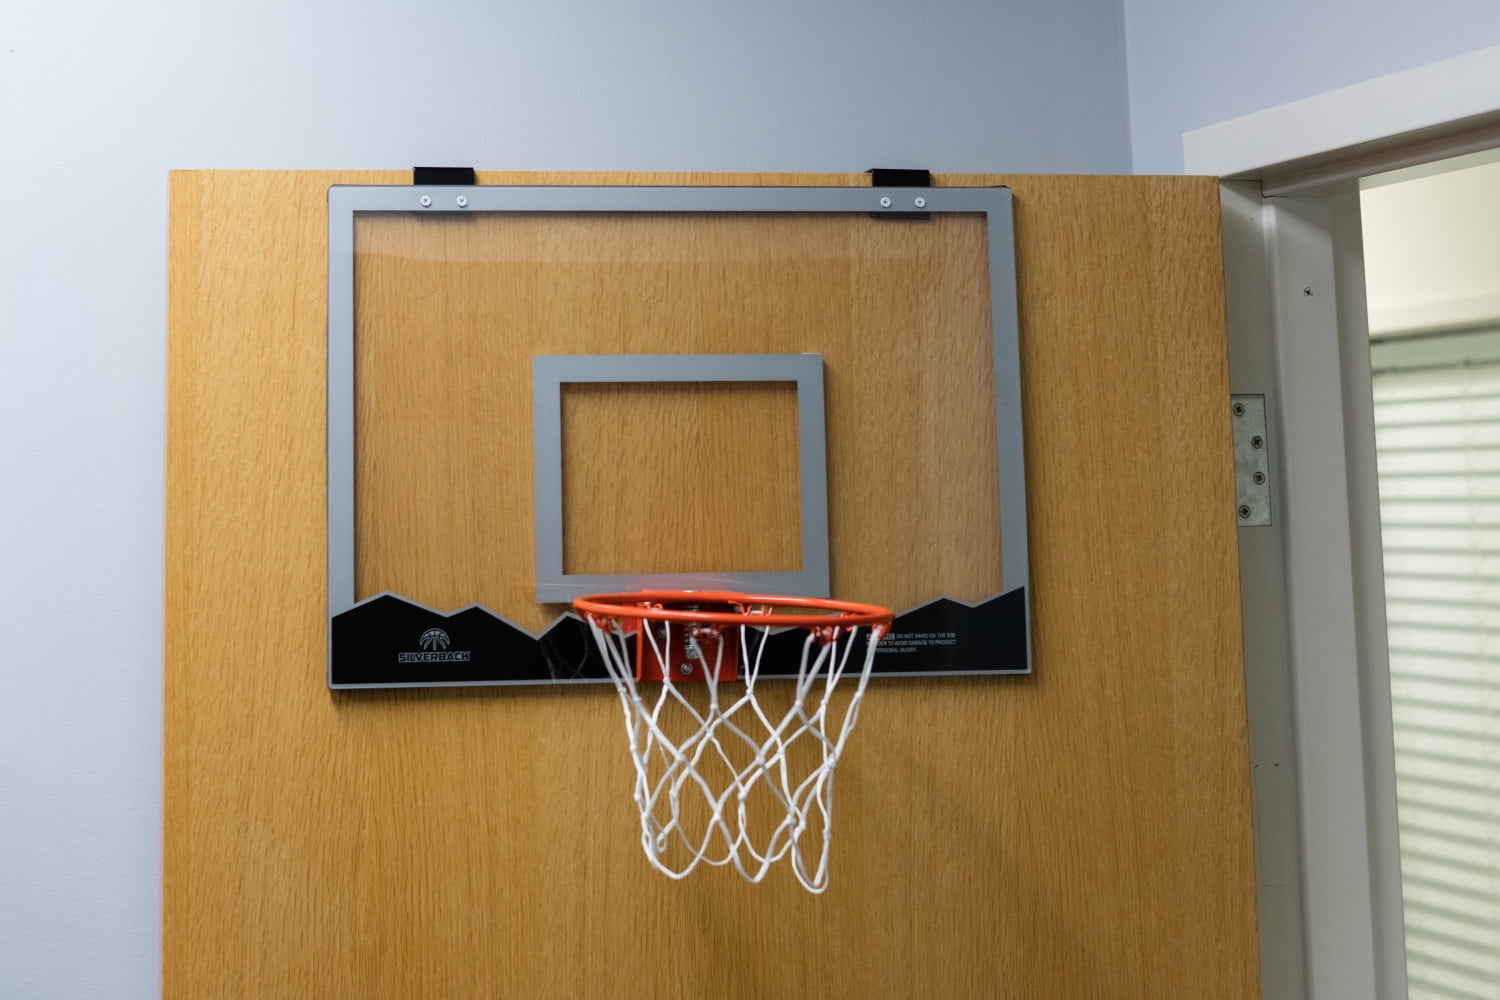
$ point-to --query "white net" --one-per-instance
(737, 772)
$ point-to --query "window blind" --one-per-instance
(1437, 434)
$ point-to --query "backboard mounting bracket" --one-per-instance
(894, 177)
(444, 176)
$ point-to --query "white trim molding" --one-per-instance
(1314, 613)
(1262, 551)
(1432, 112)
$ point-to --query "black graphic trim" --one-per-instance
(378, 644)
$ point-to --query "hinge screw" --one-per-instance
(426, 200)
(1244, 511)
(1239, 409)
(1259, 478)
(885, 203)
(463, 202)
(920, 203)
(1257, 441)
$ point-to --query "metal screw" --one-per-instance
(885, 203)
(1239, 409)
(686, 669)
(1257, 441)
(1259, 478)
(920, 203)
(426, 200)
(463, 202)
(1244, 510)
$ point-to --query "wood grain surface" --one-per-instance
(680, 478)
(1082, 832)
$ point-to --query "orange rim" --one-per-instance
(651, 605)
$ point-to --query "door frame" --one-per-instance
(1317, 666)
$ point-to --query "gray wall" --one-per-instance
(1193, 63)
(99, 101)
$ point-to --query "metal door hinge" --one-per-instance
(1252, 460)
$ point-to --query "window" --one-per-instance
(1437, 429)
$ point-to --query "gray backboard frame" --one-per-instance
(347, 201)
(551, 372)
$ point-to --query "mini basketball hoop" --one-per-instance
(729, 771)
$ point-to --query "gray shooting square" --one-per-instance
(551, 372)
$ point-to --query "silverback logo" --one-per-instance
(434, 643)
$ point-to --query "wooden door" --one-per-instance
(1080, 832)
